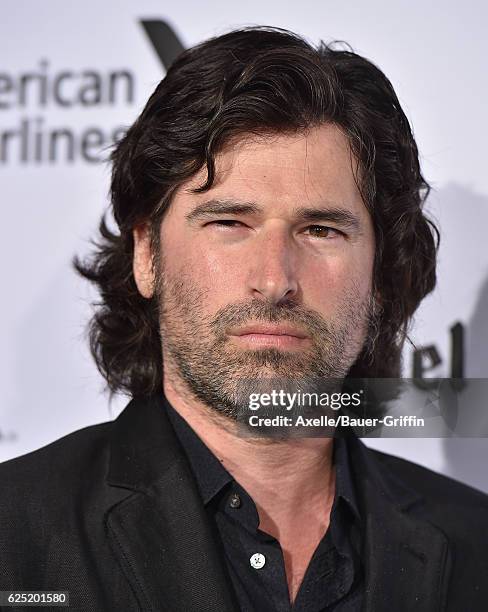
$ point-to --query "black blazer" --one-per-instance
(111, 513)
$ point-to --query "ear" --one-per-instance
(142, 264)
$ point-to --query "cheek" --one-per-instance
(221, 273)
(217, 274)
(328, 282)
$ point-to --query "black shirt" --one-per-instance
(254, 559)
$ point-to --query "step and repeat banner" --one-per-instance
(74, 76)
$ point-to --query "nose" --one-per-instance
(273, 270)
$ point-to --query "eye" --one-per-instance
(322, 231)
(225, 223)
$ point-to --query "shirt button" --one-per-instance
(235, 501)
(257, 561)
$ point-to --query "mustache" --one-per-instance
(263, 311)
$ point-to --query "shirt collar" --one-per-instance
(210, 474)
(344, 478)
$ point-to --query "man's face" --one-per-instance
(269, 273)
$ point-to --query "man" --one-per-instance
(270, 226)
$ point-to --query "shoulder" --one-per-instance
(54, 471)
(458, 510)
(431, 485)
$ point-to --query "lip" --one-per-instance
(269, 329)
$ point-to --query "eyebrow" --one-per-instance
(219, 207)
(335, 214)
(331, 213)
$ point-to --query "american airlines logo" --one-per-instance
(28, 133)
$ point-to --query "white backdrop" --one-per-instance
(98, 59)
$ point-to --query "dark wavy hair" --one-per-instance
(259, 80)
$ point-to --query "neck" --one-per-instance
(300, 466)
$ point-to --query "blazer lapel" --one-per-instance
(160, 532)
(406, 558)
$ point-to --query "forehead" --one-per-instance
(280, 170)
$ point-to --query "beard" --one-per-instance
(222, 375)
